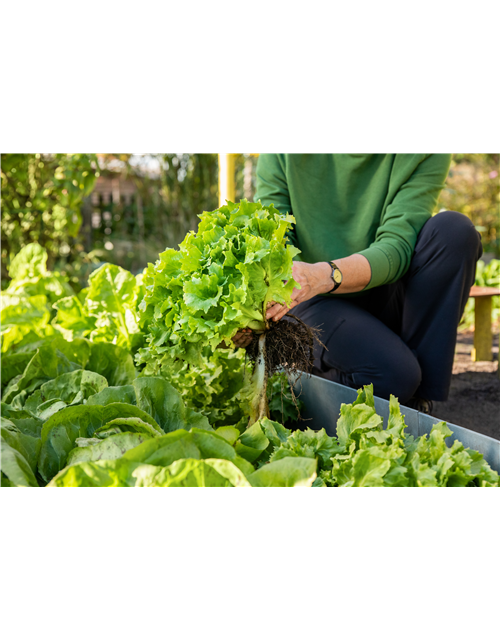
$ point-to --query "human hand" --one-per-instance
(313, 278)
(241, 340)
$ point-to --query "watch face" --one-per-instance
(337, 276)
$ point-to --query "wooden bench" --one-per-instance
(482, 322)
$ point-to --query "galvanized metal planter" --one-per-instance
(322, 399)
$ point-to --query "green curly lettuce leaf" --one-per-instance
(218, 282)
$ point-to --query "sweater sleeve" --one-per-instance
(407, 212)
(272, 186)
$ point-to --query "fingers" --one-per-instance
(243, 338)
(276, 310)
(240, 340)
(284, 311)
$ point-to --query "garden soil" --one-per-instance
(474, 400)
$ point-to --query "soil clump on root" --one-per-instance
(289, 346)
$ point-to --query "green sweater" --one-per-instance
(371, 204)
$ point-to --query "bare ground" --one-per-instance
(474, 400)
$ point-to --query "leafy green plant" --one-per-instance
(142, 434)
(27, 302)
(52, 357)
(216, 388)
(126, 473)
(213, 387)
(370, 456)
(106, 311)
(219, 282)
(79, 413)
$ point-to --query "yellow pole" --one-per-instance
(482, 330)
(226, 178)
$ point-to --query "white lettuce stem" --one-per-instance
(258, 404)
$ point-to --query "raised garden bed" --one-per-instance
(323, 398)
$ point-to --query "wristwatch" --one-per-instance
(336, 277)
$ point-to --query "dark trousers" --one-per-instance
(401, 337)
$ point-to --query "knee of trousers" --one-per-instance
(401, 379)
(457, 234)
